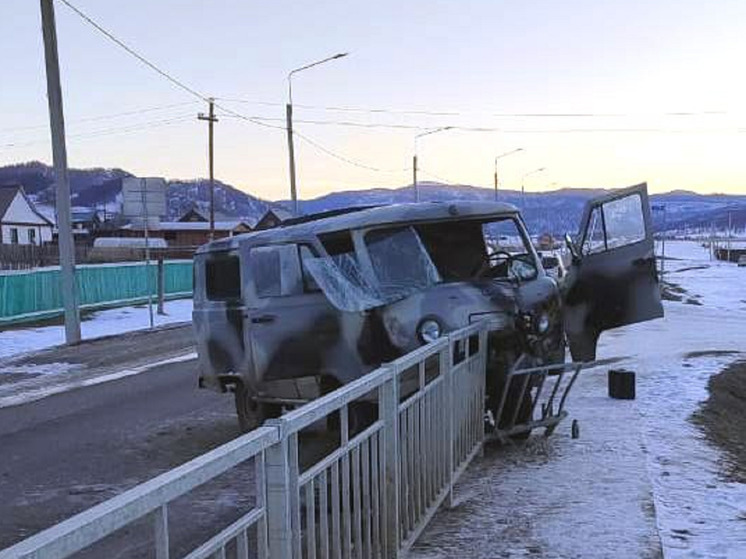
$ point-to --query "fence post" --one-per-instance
(389, 412)
(161, 284)
(279, 474)
(446, 366)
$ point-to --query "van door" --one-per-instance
(613, 280)
(290, 324)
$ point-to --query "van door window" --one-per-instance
(222, 277)
(617, 223)
(275, 271)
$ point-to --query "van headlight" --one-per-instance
(542, 323)
(429, 330)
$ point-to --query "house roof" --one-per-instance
(197, 225)
(8, 194)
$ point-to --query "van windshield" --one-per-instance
(400, 267)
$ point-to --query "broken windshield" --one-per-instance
(400, 266)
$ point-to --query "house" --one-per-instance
(196, 214)
(20, 222)
(184, 233)
(85, 223)
(273, 217)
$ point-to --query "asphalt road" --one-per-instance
(65, 453)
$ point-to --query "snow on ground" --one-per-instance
(15, 340)
(641, 480)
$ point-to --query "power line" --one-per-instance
(427, 112)
(436, 177)
(134, 53)
(104, 117)
(105, 131)
(344, 158)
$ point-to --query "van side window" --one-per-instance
(222, 277)
(276, 271)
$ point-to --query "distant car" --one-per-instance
(742, 261)
(553, 266)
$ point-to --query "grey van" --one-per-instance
(284, 315)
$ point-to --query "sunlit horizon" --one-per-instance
(595, 94)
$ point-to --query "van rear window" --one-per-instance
(222, 277)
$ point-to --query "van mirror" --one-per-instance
(574, 252)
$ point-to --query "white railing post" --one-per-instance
(160, 523)
(278, 491)
(446, 368)
(389, 414)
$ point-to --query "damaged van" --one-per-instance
(284, 315)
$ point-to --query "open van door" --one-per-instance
(613, 280)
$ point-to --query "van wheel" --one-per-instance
(251, 414)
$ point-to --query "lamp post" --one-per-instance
(507, 153)
(523, 182)
(414, 158)
(289, 124)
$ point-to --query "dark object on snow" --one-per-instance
(621, 384)
(575, 430)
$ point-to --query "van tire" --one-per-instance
(252, 414)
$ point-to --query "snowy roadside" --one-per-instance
(642, 480)
(117, 346)
(18, 340)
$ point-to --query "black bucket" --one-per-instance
(621, 384)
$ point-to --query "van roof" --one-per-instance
(392, 214)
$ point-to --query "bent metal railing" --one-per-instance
(534, 397)
(369, 497)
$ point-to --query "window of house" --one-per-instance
(13, 236)
(32, 236)
(222, 277)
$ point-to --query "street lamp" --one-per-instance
(523, 180)
(289, 123)
(414, 158)
(507, 153)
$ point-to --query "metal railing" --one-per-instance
(534, 397)
(406, 432)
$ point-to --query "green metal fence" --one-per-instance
(34, 294)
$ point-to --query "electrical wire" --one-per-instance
(134, 53)
(497, 115)
(344, 158)
(106, 131)
(103, 117)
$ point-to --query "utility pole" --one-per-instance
(291, 155)
(59, 154)
(289, 123)
(506, 154)
(211, 120)
(414, 179)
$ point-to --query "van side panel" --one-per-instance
(218, 318)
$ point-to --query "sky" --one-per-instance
(506, 67)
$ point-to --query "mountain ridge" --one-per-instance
(555, 211)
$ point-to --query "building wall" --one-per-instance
(20, 216)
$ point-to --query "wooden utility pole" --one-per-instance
(496, 182)
(211, 120)
(59, 154)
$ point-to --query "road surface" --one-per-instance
(67, 452)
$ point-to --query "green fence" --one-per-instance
(34, 294)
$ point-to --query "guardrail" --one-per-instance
(406, 433)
